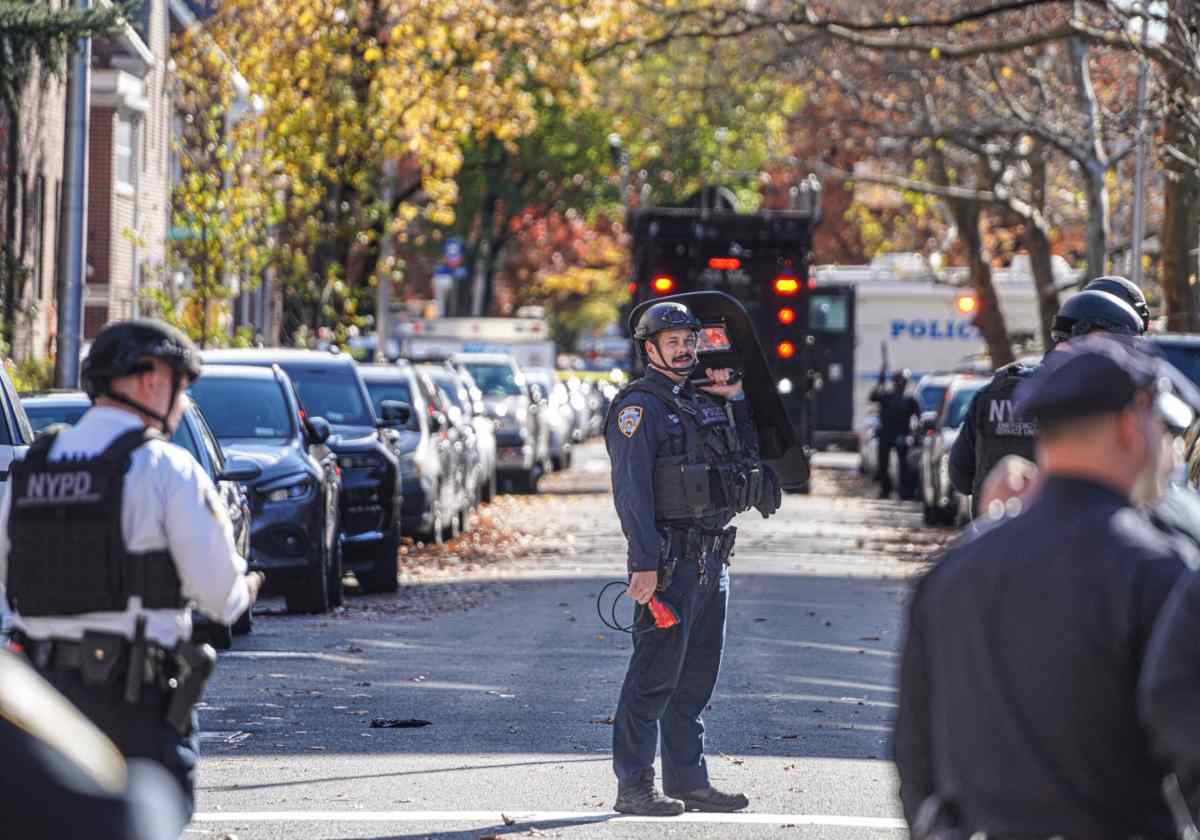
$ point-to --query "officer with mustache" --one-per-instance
(685, 461)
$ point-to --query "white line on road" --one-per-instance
(497, 818)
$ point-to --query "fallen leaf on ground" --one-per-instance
(604, 721)
(399, 723)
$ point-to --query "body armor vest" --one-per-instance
(712, 474)
(68, 554)
(999, 430)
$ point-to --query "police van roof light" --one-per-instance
(663, 284)
(966, 303)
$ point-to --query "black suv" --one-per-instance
(330, 388)
(255, 414)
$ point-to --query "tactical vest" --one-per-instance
(999, 430)
(68, 554)
(712, 474)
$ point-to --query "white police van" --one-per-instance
(903, 316)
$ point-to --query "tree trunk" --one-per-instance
(1037, 242)
(990, 319)
(1098, 228)
(1181, 223)
(1093, 168)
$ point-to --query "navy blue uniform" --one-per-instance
(1017, 685)
(672, 672)
(896, 411)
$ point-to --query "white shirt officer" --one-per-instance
(169, 503)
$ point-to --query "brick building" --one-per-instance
(129, 177)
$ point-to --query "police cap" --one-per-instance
(1101, 374)
(664, 316)
(1093, 310)
(1127, 291)
(123, 347)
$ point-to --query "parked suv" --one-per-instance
(330, 387)
(294, 503)
(522, 449)
(426, 463)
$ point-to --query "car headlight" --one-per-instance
(289, 490)
(359, 461)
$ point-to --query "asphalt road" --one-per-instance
(497, 644)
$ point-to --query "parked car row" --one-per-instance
(324, 464)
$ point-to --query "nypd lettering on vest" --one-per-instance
(61, 488)
(1004, 420)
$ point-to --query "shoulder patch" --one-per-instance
(629, 418)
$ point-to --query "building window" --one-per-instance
(125, 149)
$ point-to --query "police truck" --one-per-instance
(762, 259)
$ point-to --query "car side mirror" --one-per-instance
(395, 413)
(319, 430)
(240, 470)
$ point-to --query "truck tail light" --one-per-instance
(663, 284)
(786, 285)
(725, 263)
(785, 349)
(786, 316)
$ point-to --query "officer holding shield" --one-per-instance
(684, 462)
(110, 534)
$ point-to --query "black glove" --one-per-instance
(771, 496)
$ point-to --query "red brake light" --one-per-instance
(786, 285)
(632, 287)
(787, 315)
(785, 349)
(725, 263)
(663, 284)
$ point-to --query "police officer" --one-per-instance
(897, 408)
(1127, 291)
(993, 429)
(1017, 709)
(111, 533)
(60, 777)
(684, 462)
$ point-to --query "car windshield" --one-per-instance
(331, 393)
(956, 412)
(494, 379)
(1185, 359)
(243, 408)
(931, 397)
(397, 390)
(43, 416)
(449, 387)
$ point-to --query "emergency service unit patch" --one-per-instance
(628, 419)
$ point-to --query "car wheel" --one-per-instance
(219, 636)
(930, 515)
(245, 623)
(337, 595)
(311, 593)
(383, 576)
(531, 479)
(453, 526)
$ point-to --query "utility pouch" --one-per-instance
(136, 670)
(697, 491)
(194, 665)
(756, 487)
(726, 545)
(101, 656)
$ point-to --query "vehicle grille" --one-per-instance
(361, 510)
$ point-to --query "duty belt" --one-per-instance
(104, 651)
(694, 543)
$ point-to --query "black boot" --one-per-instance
(710, 799)
(638, 795)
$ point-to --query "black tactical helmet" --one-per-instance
(123, 348)
(664, 316)
(1127, 291)
(1091, 311)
